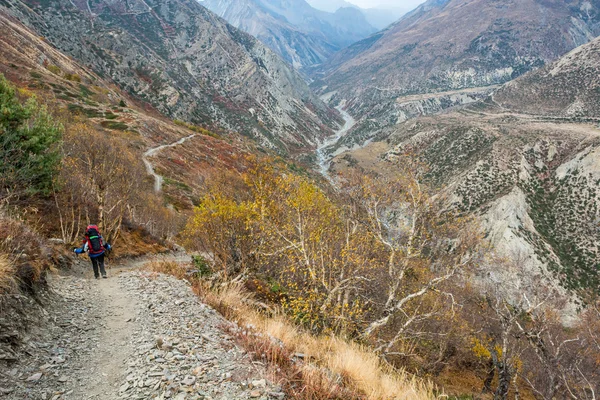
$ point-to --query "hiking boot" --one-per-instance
(104, 277)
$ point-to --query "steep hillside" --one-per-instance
(186, 62)
(78, 93)
(449, 46)
(343, 27)
(569, 88)
(383, 17)
(329, 5)
(534, 180)
(295, 46)
(302, 35)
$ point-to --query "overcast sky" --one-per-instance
(387, 3)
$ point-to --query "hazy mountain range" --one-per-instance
(301, 34)
(379, 17)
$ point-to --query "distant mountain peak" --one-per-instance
(301, 34)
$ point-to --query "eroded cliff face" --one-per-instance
(533, 184)
(188, 63)
(453, 45)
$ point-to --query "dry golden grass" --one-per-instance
(167, 267)
(7, 275)
(24, 257)
(360, 369)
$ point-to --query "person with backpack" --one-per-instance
(94, 245)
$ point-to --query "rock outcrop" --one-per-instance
(525, 165)
(569, 88)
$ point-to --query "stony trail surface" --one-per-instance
(136, 335)
(158, 179)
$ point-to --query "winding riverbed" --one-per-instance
(323, 156)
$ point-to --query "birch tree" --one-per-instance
(425, 246)
(101, 179)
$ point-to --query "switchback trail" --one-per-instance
(158, 180)
(136, 335)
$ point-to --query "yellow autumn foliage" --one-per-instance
(286, 228)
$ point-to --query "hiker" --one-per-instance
(94, 245)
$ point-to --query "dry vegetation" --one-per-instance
(7, 274)
(309, 366)
(58, 173)
(24, 257)
(347, 295)
(386, 264)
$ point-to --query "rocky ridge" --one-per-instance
(380, 17)
(569, 88)
(138, 335)
(527, 169)
(534, 185)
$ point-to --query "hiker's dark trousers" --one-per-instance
(98, 262)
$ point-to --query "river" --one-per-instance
(323, 157)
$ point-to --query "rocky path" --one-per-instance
(158, 180)
(138, 335)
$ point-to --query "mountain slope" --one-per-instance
(449, 45)
(72, 90)
(342, 28)
(329, 5)
(568, 88)
(380, 17)
(186, 62)
(528, 167)
(302, 35)
(295, 46)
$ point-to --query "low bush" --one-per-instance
(73, 77)
(29, 145)
(54, 69)
(24, 258)
(114, 125)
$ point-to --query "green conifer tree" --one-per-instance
(29, 145)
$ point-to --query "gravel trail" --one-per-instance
(136, 335)
(158, 180)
